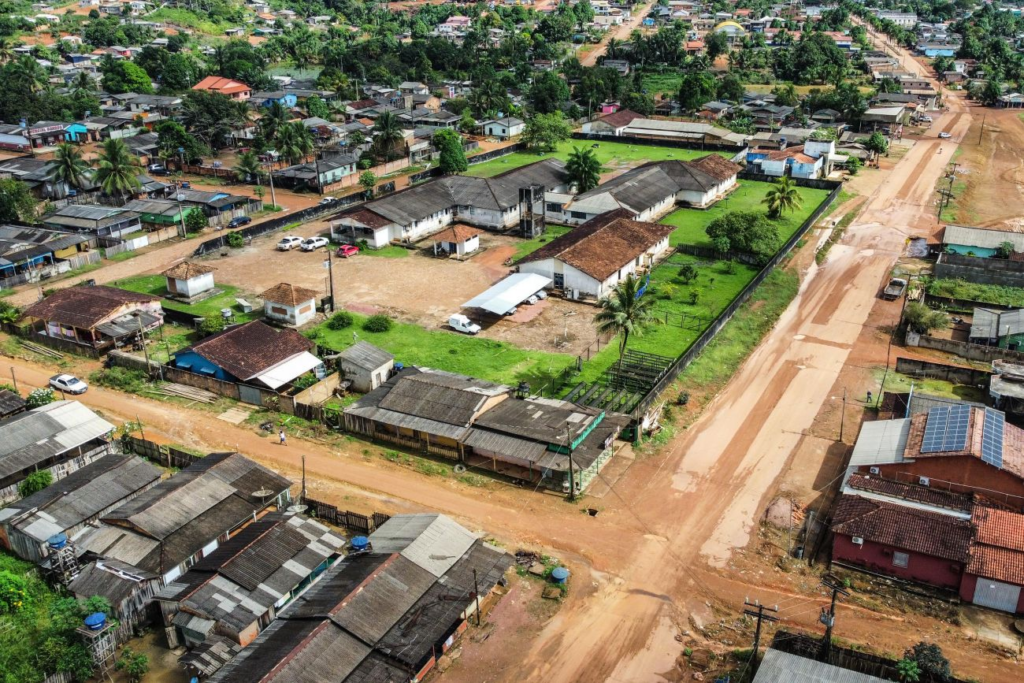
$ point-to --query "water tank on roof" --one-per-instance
(560, 574)
(57, 541)
(96, 621)
(360, 544)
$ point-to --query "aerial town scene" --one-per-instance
(561, 341)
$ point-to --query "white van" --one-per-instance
(461, 323)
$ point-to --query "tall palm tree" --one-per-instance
(294, 142)
(69, 167)
(83, 84)
(273, 118)
(782, 197)
(6, 50)
(387, 135)
(27, 74)
(583, 169)
(118, 171)
(248, 167)
(625, 312)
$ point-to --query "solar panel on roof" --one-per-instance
(946, 429)
(992, 437)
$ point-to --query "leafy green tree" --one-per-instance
(785, 95)
(730, 87)
(991, 91)
(1004, 250)
(125, 76)
(367, 180)
(69, 167)
(922, 320)
(548, 92)
(908, 671)
(40, 397)
(180, 72)
(16, 201)
(453, 156)
(817, 58)
(697, 88)
(317, 107)
(544, 131)
(273, 119)
(745, 231)
(928, 656)
(640, 102)
(877, 143)
(135, 665)
(118, 170)
(715, 44)
(853, 165)
(34, 482)
(212, 117)
(172, 136)
(583, 169)
(625, 312)
(196, 220)
(783, 196)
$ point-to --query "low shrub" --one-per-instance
(122, 379)
(378, 323)
(340, 320)
(235, 240)
(212, 324)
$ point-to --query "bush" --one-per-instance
(134, 664)
(340, 320)
(688, 273)
(694, 296)
(13, 592)
(40, 397)
(195, 221)
(305, 381)
(922, 319)
(235, 240)
(378, 323)
(36, 481)
(122, 379)
(665, 292)
(212, 324)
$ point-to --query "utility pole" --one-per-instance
(330, 274)
(476, 594)
(572, 476)
(760, 616)
(842, 418)
(14, 379)
(302, 500)
(828, 616)
(981, 133)
(142, 338)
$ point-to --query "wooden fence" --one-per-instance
(366, 524)
(169, 456)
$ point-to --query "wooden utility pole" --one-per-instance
(476, 594)
(828, 616)
(572, 476)
(760, 616)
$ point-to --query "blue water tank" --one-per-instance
(360, 543)
(96, 621)
(560, 574)
(57, 541)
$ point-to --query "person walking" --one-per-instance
(283, 438)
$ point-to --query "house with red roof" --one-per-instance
(228, 87)
(995, 568)
(611, 124)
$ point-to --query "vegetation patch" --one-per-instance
(527, 247)
(156, 285)
(1011, 297)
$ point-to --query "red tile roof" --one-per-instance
(225, 86)
(998, 548)
(620, 118)
(457, 233)
(186, 270)
(911, 492)
(85, 307)
(904, 527)
(1013, 442)
(248, 350)
(717, 167)
(289, 295)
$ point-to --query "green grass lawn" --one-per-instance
(691, 223)
(613, 155)
(666, 83)
(156, 285)
(717, 287)
(390, 251)
(475, 356)
(529, 246)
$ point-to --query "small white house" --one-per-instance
(289, 305)
(505, 128)
(189, 280)
(366, 366)
(459, 241)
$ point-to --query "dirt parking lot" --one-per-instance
(416, 288)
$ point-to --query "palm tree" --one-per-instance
(583, 169)
(294, 142)
(69, 167)
(28, 74)
(387, 135)
(83, 84)
(118, 171)
(249, 167)
(625, 312)
(272, 120)
(782, 197)
(6, 50)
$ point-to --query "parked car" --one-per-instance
(894, 290)
(239, 222)
(157, 169)
(314, 243)
(924, 119)
(69, 384)
(541, 294)
(288, 243)
(512, 311)
(461, 323)
(944, 135)
(328, 200)
(532, 300)
(346, 250)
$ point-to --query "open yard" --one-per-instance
(157, 286)
(691, 223)
(614, 156)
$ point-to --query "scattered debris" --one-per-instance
(42, 350)
(191, 393)
(552, 593)
(537, 569)
(525, 558)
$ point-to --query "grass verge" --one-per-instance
(1011, 297)
(527, 247)
(156, 285)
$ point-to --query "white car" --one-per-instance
(945, 136)
(532, 300)
(314, 243)
(289, 243)
(69, 384)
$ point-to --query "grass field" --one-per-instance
(475, 356)
(669, 84)
(529, 246)
(691, 223)
(611, 155)
(156, 285)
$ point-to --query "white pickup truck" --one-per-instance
(461, 323)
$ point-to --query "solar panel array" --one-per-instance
(946, 429)
(992, 437)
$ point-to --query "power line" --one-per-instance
(760, 616)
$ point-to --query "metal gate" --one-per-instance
(997, 595)
(249, 395)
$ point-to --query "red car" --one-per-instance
(347, 250)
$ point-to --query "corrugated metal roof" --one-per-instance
(35, 436)
(881, 442)
(432, 542)
(782, 667)
(370, 612)
(982, 237)
(366, 355)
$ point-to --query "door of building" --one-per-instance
(997, 595)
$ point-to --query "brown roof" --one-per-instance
(85, 307)
(221, 85)
(186, 270)
(1013, 442)
(603, 244)
(904, 527)
(370, 219)
(456, 233)
(911, 492)
(248, 350)
(289, 295)
(998, 548)
(787, 153)
(716, 166)
(622, 117)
